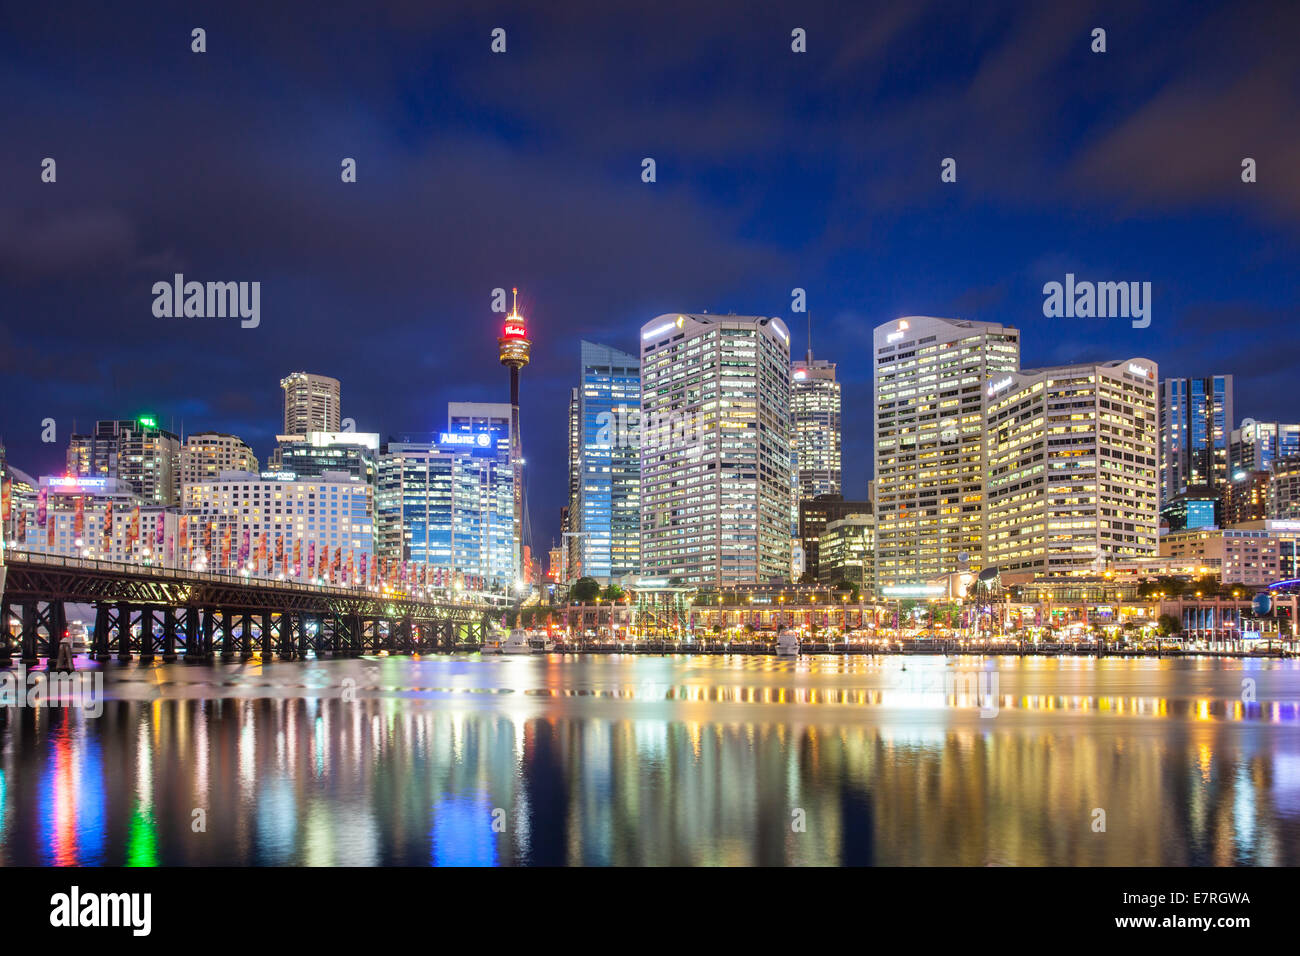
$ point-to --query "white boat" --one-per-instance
(787, 644)
(493, 641)
(516, 643)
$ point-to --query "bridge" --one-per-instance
(147, 613)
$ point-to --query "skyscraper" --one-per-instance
(311, 403)
(571, 562)
(606, 483)
(135, 450)
(931, 374)
(438, 502)
(1195, 430)
(715, 448)
(1253, 445)
(1071, 467)
(815, 420)
(488, 427)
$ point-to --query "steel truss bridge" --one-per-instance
(147, 613)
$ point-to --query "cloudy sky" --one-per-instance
(476, 170)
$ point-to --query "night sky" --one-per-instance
(477, 170)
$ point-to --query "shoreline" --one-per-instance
(667, 648)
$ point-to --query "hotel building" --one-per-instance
(275, 524)
(311, 403)
(930, 378)
(136, 451)
(1255, 555)
(1072, 470)
(315, 453)
(715, 448)
(205, 455)
(90, 517)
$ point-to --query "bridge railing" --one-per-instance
(441, 595)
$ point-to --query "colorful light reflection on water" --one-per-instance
(464, 761)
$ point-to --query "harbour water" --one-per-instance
(702, 760)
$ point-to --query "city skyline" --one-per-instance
(848, 205)
(550, 524)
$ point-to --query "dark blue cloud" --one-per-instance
(476, 171)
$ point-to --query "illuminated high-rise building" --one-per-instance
(311, 403)
(605, 476)
(445, 501)
(135, 450)
(930, 379)
(815, 420)
(514, 348)
(1071, 456)
(1195, 433)
(1254, 445)
(715, 449)
(488, 429)
(205, 455)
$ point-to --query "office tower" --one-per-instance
(814, 515)
(815, 421)
(715, 448)
(435, 506)
(487, 427)
(313, 454)
(1072, 468)
(1284, 490)
(136, 451)
(311, 403)
(205, 455)
(930, 378)
(280, 525)
(1195, 428)
(513, 349)
(571, 566)
(605, 477)
(1254, 445)
(848, 553)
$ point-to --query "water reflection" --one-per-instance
(621, 760)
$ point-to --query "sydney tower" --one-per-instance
(513, 348)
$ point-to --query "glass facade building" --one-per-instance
(1195, 428)
(1255, 445)
(605, 485)
(439, 502)
(481, 433)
